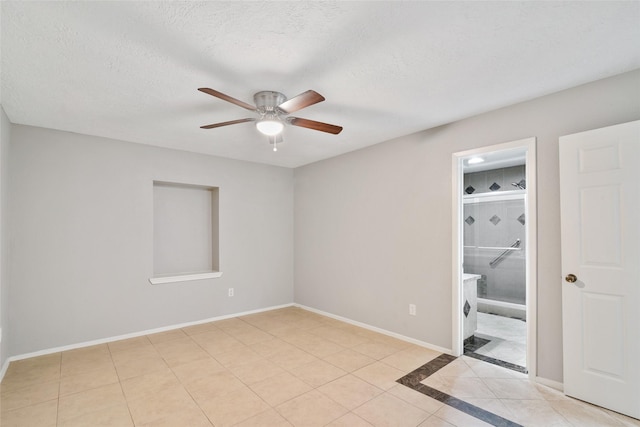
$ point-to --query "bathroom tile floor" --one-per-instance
(508, 338)
(286, 367)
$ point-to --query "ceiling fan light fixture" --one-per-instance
(270, 127)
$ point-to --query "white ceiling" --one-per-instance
(130, 70)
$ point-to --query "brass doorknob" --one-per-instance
(571, 278)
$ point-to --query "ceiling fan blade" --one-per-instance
(232, 122)
(312, 124)
(301, 101)
(227, 98)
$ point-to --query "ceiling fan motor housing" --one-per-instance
(267, 101)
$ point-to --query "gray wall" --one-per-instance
(82, 225)
(373, 227)
(5, 136)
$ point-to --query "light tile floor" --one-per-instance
(279, 368)
(508, 338)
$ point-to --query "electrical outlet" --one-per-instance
(230, 292)
(412, 309)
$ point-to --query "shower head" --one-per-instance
(520, 185)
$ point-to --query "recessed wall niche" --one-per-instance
(185, 232)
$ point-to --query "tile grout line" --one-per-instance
(59, 389)
(190, 393)
(113, 362)
(413, 381)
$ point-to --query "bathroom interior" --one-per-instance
(494, 240)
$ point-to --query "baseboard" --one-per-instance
(550, 383)
(134, 335)
(376, 329)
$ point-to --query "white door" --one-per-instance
(600, 212)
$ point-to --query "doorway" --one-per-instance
(494, 254)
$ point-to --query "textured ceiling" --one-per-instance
(130, 70)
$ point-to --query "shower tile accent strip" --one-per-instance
(413, 381)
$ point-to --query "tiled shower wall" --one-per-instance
(490, 225)
(495, 180)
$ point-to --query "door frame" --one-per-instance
(531, 244)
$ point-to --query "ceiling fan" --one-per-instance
(273, 109)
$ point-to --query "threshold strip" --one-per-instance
(497, 362)
(473, 343)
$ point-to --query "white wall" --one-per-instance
(5, 135)
(373, 227)
(82, 223)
